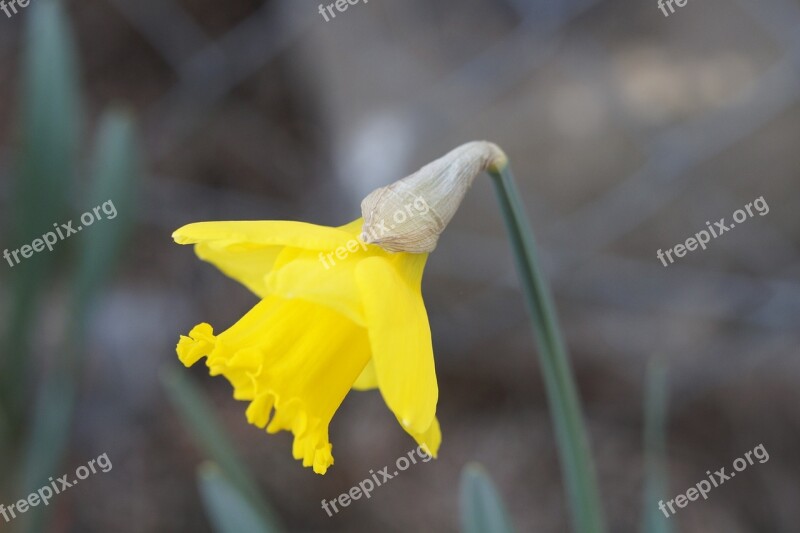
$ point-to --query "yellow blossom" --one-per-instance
(335, 314)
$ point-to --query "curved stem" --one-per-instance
(562, 395)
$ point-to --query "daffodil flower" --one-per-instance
(341, 308)
(326, 323)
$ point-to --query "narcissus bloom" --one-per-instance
(341, 308)
(335, 314)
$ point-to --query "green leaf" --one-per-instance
(198, 415)
(49, 437)
(46, 161)
(111, 204)
(577, 465)
(482, 509)
(51, 120)
(114, 175)
(229, 510)
(655, 447)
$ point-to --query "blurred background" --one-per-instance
(627, 131)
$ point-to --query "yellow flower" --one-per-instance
(335, 314)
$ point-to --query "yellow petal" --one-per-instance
(247, 264)
(353, 228)
(246, 251)
(400, 337)
(266, 232)
(325, 277)
(368, 379)
(430, 439)
(301, 274)
(292, 356)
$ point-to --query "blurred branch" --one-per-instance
(213, 71)
(672, 154)
(166, 26)
(780, 18)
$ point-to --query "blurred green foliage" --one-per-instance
(46, 187)
(482, 510)
(46, 165)
(655, 448)
(229, 510)
(197, 414)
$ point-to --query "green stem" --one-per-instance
(562, 394)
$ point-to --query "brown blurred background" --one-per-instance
(627, 131)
